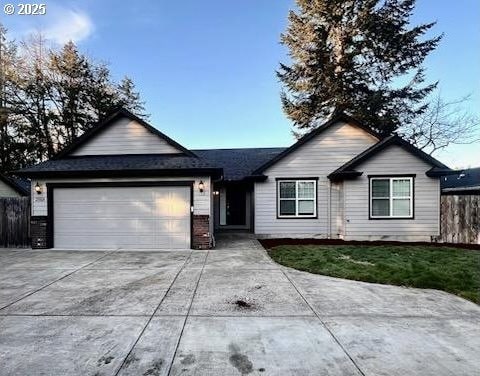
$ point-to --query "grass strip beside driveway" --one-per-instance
(449, 269)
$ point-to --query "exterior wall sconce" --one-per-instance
(216, 193)
(38, 188)
(201, 186)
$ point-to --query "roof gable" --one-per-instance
(348, 170)
(123, 133)
(340, 117)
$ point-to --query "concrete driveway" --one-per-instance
(230, 311)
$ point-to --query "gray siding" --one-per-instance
(126, 137)
(7, 191)
(317, 158)
(393, 160)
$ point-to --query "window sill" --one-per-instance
(296, 217)
(389, 218)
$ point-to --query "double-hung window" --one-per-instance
(297, 198)
(391, 197)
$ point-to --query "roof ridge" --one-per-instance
(248, 148)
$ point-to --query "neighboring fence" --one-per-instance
(14, 222)
(460, 219)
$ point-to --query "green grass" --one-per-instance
(449, 269)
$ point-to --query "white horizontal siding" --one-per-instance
(317, 158)
(7, 191)
(393, 160)
(201, 201)
(126, 136)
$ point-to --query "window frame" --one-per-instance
(313, 180)
(391, 178)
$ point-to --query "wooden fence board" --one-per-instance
(14, 222)
(460, 219)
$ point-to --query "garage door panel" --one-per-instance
(121, 225)
(96, 241)
(105, 194)
(122, 217)
(172, 205)
(106, 209)
(169, 242)
(94, 225)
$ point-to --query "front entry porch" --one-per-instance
(233, 206)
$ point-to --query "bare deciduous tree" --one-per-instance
(443, 123)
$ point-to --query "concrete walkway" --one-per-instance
(230, 311)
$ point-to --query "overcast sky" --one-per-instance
(207, 68)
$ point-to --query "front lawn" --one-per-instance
(449, 269)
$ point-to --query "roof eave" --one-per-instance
(255, 178)
(213, 172)
(435, 172)
(17, 188)
(344, 175)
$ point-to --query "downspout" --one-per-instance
(329, 215)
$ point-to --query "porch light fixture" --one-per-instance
(38, 189)
(201, 186)
(216, 193)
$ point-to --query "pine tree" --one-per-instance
(50, 96)
(102, 93)
(351, 55)
(71, 74)
(129, 97)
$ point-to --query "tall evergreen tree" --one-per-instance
(351, 55)
(71, 76)
(50, 96)
(130, 98)
(103, 94)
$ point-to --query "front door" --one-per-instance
(235, 207)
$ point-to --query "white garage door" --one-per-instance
(122, 217)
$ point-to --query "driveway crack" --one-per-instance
(154, 312)
(59, 279)
(325, 325)
(188, 313)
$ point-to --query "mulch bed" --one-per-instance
(270, 243)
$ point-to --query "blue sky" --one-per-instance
(206, 69)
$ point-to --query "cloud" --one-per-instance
(68, 24)
(60, 25)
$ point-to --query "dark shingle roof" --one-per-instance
(21, 182)
(20, 185)
(468, 179)
(238, 163)
(125, 164)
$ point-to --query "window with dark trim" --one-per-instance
(297, 198)
(391, 197)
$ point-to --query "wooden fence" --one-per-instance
(15, 222)
(460, 219)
